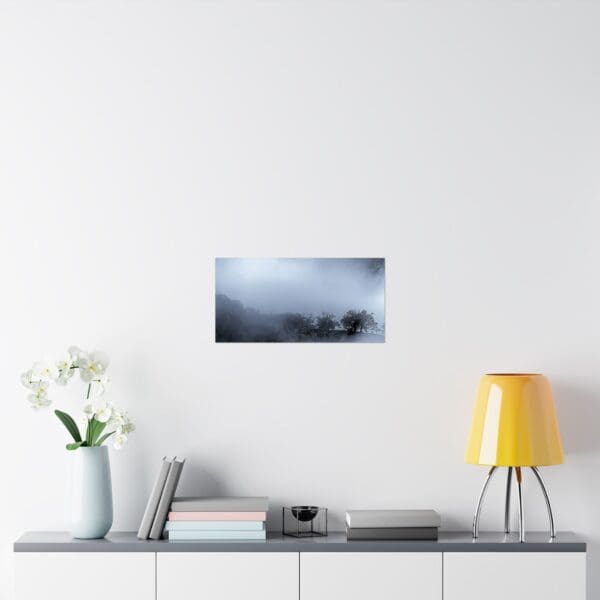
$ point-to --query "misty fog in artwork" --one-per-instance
(300, 300)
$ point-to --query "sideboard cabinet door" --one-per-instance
(371, 575)
(84, 575)
(227, 576)
(514, 575)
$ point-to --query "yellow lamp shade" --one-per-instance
(514, 422)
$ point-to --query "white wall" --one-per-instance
(459, 140)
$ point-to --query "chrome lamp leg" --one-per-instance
(519, 478)
(507, 501)
(547, 499)
(480, 502)
(521, 515)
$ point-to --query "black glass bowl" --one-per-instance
(305, 513)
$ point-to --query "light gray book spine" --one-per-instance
(165, 500)
(226, 504)
(393, 533)
(154, 499)
(392, 518)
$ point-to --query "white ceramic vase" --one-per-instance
(91, 507)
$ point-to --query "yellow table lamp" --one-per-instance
(514, 425)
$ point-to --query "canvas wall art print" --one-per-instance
(326, 300)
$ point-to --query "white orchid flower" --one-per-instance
(27, 380)
(119, 440)
(44, 369)
(99, 386)
(127, 427)
(39, 397)
(92, 369)
(75, 352)
(117, 418)
(40, 388)
(92, 366)
(121, 422)
(65, 362)
(61, 380)
(64, 377)
(65, 371)
(39, 402)
(103, 414)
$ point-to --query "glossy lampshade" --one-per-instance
(514, 423)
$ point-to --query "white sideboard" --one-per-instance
(52, 566)
(75, 576)
(517, 576)
(362, 575)
(227, 575)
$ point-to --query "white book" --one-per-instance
(193, 536)
(372, 519)
(220, 504)
(165, 500)
(154, 499)
(215, 526)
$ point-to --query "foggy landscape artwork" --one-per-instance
(300, 300)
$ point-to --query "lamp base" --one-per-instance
(509, 479)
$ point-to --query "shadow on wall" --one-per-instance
(197, 480)
(578, 411)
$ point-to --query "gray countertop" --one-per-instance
(126, 541)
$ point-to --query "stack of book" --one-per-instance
(392, 525)
(209, 518)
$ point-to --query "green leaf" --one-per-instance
(97, 429)
(103, 438)
(69, 423)
(88, 431)
(74, 445)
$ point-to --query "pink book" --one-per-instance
(217, 516)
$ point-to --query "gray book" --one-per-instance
(392, 533)
(358, 519)
(166, 497)
(216, 504)
(154, 499)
